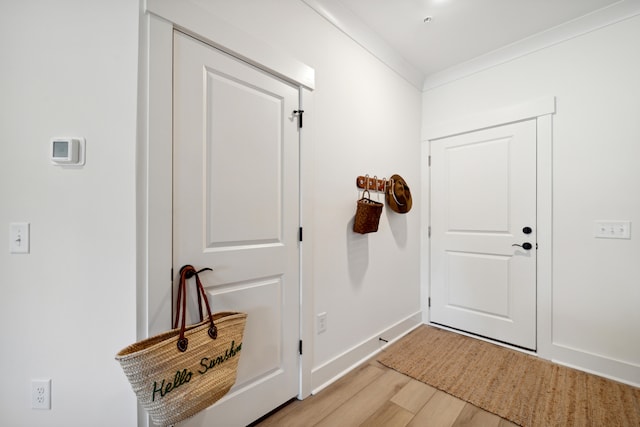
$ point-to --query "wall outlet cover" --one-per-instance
(41, 394)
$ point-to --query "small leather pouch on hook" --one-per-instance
(367, 214)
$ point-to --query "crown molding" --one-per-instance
(347, 22)
(593, 21)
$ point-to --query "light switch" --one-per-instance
(19, 238)
(612, 229)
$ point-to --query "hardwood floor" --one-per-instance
(374, 395)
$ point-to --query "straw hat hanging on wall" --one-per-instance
(398, 195)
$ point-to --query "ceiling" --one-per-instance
(460, 30)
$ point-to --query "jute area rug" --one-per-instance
(521, 388)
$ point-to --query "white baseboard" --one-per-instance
(334, 369)
(602, 366)
(617, 370)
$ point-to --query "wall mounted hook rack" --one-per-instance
(374, 184)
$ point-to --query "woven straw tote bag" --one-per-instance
(180, 372)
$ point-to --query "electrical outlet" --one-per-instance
(322, 322)
(41, 394)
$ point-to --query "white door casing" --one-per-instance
(483, 195)
(235, 198)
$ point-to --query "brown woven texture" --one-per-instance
(367, 216)
(150, 362)
(516, 386)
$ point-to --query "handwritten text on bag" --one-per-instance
(184, 376)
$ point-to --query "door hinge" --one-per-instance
(429, 231)
(299, 113)
(172, 274)
(429, 301)
(300, 234)
(429, 161)
(300, 347)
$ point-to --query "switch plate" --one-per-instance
(19, 238)
(612, 229)
(322, 322)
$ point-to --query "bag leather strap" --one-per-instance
(186, 273)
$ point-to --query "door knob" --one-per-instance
(526, 245)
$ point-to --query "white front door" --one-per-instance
(483, 198)
(235, 209)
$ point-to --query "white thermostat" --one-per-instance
(67, 151)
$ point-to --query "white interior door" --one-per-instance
(483, 198)
(235, 209)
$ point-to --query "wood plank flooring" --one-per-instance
(375, 396)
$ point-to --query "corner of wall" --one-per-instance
(334, 369)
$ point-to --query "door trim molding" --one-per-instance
(197, 22)
(154, 182)
(542, 110)
(154, 159)
(531, 109)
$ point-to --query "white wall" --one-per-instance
(365, 120)
(596, 147)
(69, 68)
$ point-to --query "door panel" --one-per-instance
(262, 299)
(235, 209)
(483, 191)
(478, 193)
(251, 183)
(488, 292)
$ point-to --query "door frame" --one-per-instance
(542, 110)
(154, 160)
